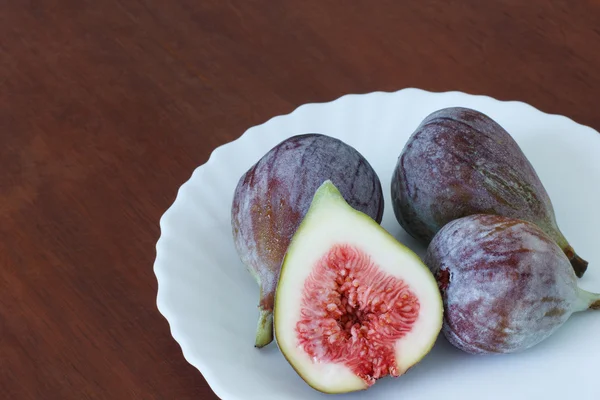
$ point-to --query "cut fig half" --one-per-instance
(352, 305)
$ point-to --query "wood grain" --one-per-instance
(107, 106)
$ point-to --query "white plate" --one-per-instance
(210, 300)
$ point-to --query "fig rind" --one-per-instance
(330, 225)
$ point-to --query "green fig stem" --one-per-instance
(264, 329)
(578, 263)
(587, 301)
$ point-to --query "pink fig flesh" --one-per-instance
(273, 196)
(461, 162)
(353, 313)
(505, 284)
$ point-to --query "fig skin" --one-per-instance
(505, 284)
(460, 162)
(273, 196)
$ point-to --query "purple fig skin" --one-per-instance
(460, 162)
(505, 284)
(273, 196)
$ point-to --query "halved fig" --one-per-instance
(352, 303)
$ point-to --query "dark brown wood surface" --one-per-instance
(107, 106)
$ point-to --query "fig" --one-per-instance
(273, 196)
(460, 162)
(506, 285)
(352, 304)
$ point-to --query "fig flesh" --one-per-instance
(272, 197)
(506, 285)
(352, 304)
(460, 162)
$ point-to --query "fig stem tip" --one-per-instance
(264, 329)
(579, 265)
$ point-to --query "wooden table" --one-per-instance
(107, 106)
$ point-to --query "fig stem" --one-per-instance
(587, 301)
(578, 263)
(264, 328)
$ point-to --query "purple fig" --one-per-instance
(273, 196)
(505, 284)
(460, 162)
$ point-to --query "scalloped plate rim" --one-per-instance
(161, 304)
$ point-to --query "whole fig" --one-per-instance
(460, 162)
(273, 196)
(505, 284)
